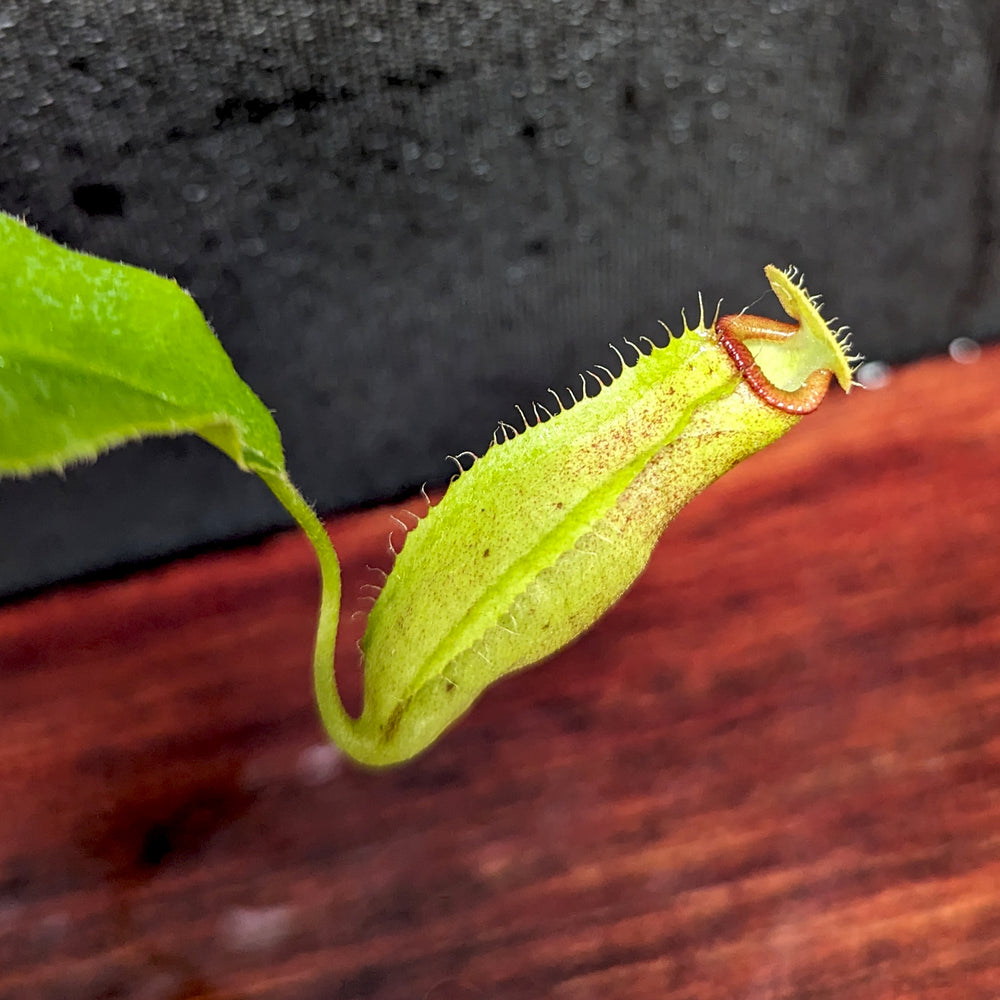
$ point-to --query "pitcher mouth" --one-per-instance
(789, 365)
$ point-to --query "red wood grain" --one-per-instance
(770, 772)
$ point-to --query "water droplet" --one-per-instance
(720, 111)
(519, 89)
(256, 928)
(194, 193)
(515, 274)
(29, 164)
(587, 50)
(241, 170)
(681, 120)
(319, 763)
(284, 117)
(434, 161)
(716, 83)
(372, 34)
(873, 375)
(964, 350)
(411, 151)
(583, 79)
(591, 156)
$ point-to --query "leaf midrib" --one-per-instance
(20, 352)
(176, 416)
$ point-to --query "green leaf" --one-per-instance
(93, 354)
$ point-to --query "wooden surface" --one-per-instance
(770, 772)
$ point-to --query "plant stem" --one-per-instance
(342, 727)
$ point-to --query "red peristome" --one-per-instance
(733, 330)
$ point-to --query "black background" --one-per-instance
(402, 218)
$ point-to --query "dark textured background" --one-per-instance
(402, 218)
